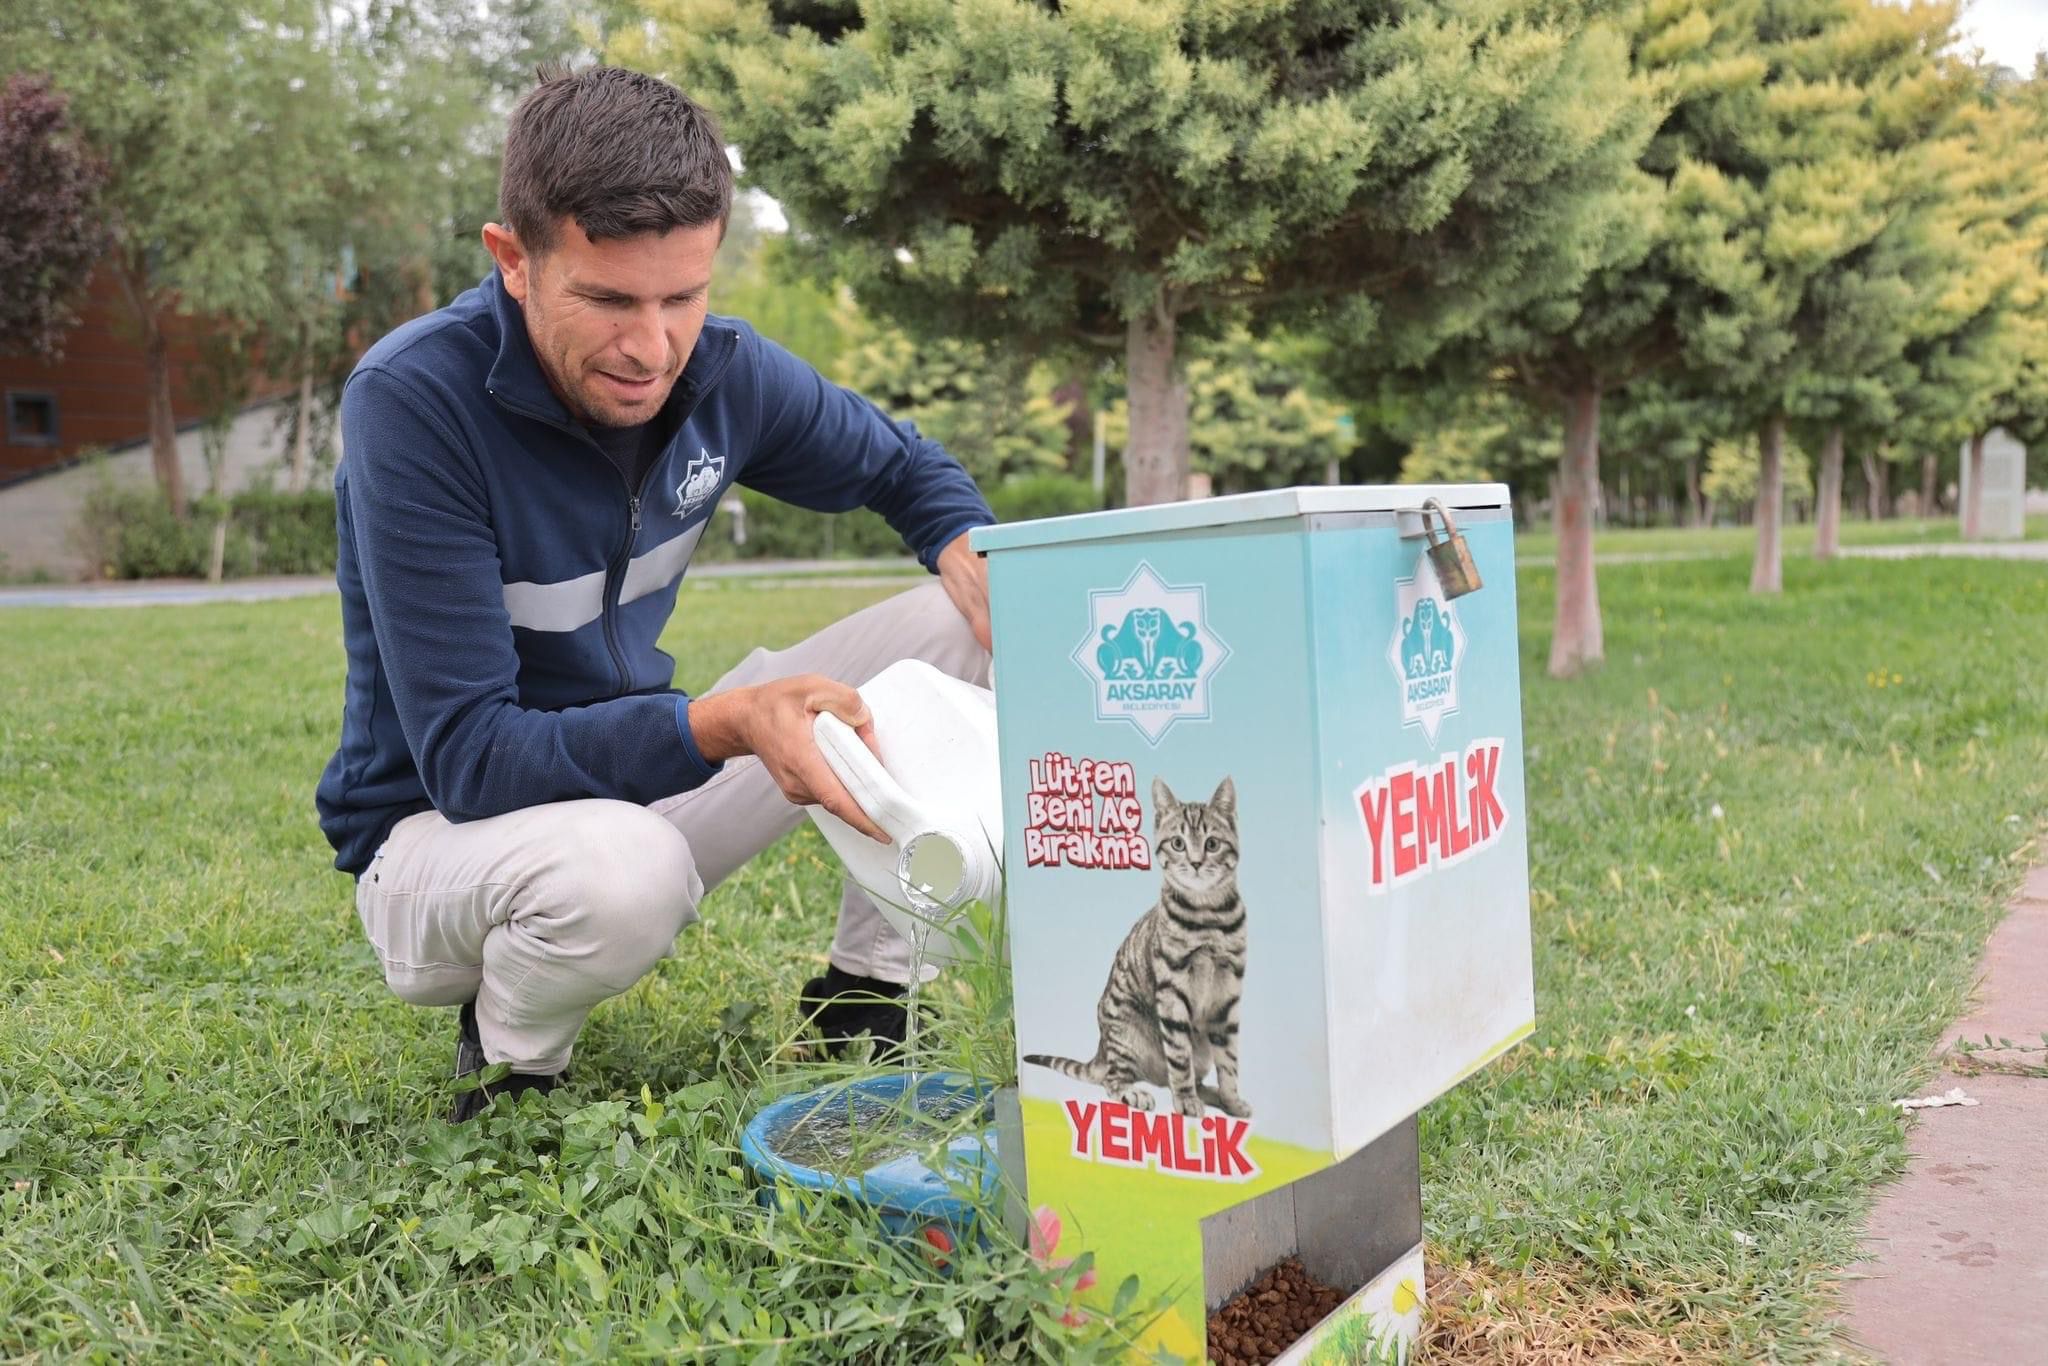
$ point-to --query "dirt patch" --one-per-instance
(1543, 1316)
(1265, 1319)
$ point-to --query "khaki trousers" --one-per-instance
(541, 913)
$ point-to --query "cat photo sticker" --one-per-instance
(1149, 652)
(1168, 1015)
(1427, 646)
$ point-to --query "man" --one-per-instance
(531, 810)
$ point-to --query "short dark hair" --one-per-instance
(620, 152)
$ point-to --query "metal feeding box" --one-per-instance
(1267, 887)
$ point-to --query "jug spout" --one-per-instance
(935, 792)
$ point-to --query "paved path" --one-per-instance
(1967, 550)
(1958, 1250)
(1961, 550)
(873, 573)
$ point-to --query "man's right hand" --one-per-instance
(773, 721)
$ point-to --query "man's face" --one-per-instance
(612, 322)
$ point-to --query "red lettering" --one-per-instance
(1151, 1136)
(1116, 1132)
(1490, 814)
(1431, 822)
(1080, 1118)
(1372, 804)
(1461, 835)
(1419, 820)
(1401, 795)
(1230, 1157)
(1183, 1161)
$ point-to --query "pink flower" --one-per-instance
(1045, 1236)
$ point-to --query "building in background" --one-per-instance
(98, 395)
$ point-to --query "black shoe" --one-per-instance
(844, 1006)
(469, 1060)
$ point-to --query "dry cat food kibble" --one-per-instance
(1273, 1311)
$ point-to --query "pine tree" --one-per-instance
(1649, 268)
(1118, 174)
(1978, 354)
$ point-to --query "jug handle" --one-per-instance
(866, 781)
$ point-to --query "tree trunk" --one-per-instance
(1575, 641)
(132, 274)
(1155, 457)
(302, 439)
(163, 421)
(1930, 470)
(1973, 490)
(1695, 504)
(1873, 506)
(1767, 575)
(1827, 535)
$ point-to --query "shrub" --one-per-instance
(129, 533)
(779, 531)
(293, 533)
(1031, 496)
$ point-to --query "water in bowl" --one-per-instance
(850, 1131)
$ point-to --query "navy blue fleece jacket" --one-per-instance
(502, 588)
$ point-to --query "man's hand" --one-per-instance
(773, 721)
(965, 576)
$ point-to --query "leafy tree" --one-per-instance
(193, 107)
(1818, 178)
(993, 410)
(1977, 354)
(1116, 174)
(1487, 433)
(1257, 415)
(1734, 467)
(755, 280)
(295, 171)
(51, 234)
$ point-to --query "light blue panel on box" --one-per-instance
(1425, 851)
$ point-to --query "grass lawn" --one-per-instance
(1768, 841)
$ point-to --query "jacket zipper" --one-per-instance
(615, 574)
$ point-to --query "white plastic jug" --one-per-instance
(936, 792)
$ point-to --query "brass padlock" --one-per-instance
(1451, 558)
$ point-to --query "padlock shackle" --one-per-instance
(1450, 527)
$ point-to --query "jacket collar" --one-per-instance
(516, 379)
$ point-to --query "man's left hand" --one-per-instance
(965, 576)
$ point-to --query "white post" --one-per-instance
(1101, 449)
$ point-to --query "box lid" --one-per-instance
(1201, 513)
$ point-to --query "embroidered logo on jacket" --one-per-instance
(701, 481)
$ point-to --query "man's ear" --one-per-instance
(515, 263)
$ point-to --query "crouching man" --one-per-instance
(530, 808)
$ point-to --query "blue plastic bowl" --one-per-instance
(907, 1195)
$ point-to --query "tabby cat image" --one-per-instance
(1170, 1010)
